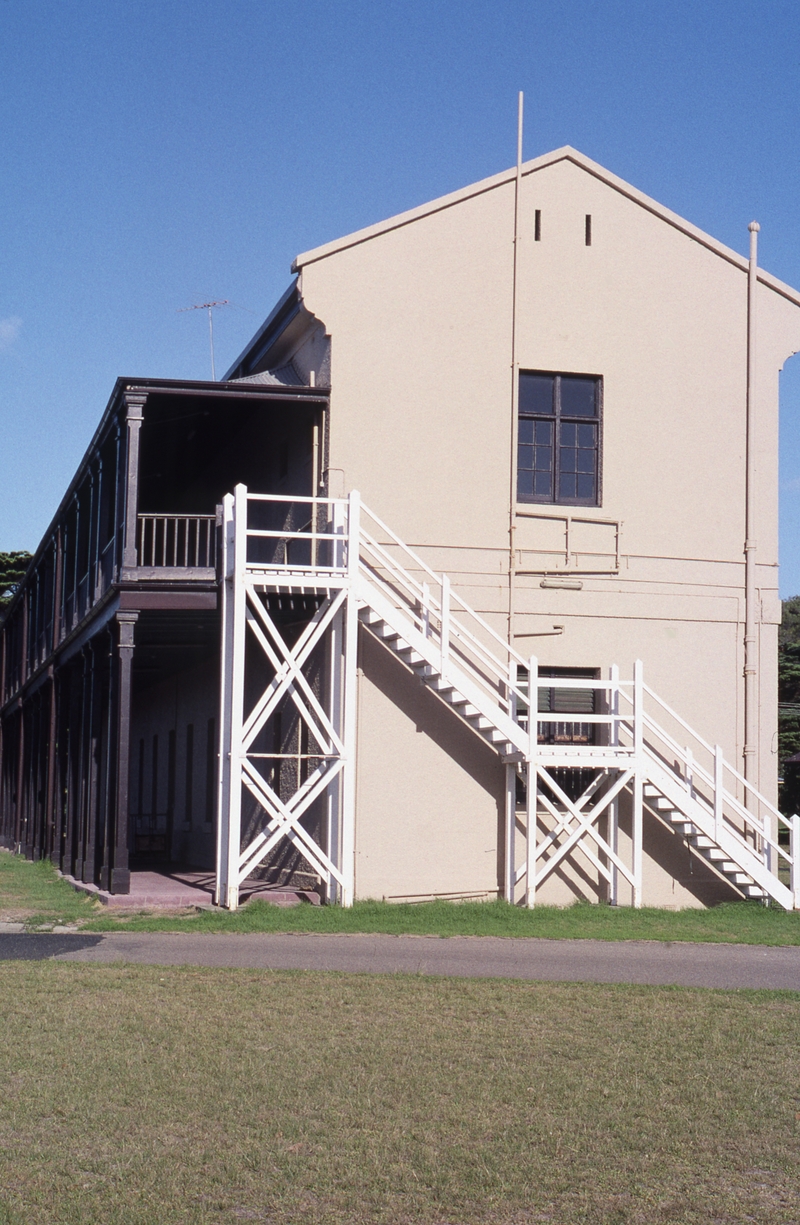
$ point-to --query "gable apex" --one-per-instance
(564, 154)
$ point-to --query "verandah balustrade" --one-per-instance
(176, 541)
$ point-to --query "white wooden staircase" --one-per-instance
(661, 763)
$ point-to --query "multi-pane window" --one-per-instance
(558, 457)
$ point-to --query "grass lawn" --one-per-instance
(134, 1095)
(33, 892)
(745, 922)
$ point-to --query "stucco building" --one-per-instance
(559, 403)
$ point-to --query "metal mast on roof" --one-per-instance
(209, 306)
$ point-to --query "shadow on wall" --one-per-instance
(468, 763)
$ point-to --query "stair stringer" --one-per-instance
(368, 595)
(702, 817)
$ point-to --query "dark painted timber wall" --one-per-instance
(132, 545)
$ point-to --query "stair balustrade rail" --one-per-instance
(298, 534)
(734, 806)
(463, 638)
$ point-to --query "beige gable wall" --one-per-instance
(419, 316)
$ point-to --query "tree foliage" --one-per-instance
(789, 704)
(12, 571)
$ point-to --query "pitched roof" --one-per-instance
(568, 154)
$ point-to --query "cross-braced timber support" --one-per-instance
(336, 565)
(270, 666)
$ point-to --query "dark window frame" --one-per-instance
(555, 419)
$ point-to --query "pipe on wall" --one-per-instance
(751, 719)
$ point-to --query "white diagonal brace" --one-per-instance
(584, 824)
(290, 827)
(590, 855)
(308, 640)
(290, 666)
(575, 809)
(283, 684)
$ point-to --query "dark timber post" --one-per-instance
(135, 408)
(120, 872)
(92, 767)
(20, 776)
(83, 764)
(71, 771)
(52, 848)
(48, 834)
(107, 758)
(23, 676)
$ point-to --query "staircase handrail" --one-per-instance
(729, 803)
(462, 680)
(460, 632)
(468, 650)
(754, 792)
(674, 715)
(499, 676)
(730, 808)
(305, 499)
(512, 653)
(500, 673)
(727, 838)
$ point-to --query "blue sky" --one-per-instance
(157, 154)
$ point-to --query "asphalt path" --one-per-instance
(598, 961)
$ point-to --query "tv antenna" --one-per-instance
(207, 306)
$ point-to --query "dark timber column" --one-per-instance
(107, 757)
(58, 751)
(92, 767)
(34, 824)
(48, 840)
(21, 746)
(82, 758)
(20, 777)
(120, 872)
(135, 409)
(71, 786)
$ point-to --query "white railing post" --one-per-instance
(613, 810)
(510, 864)
(338, 527)
(339, 552)
(445, 623)
(689, 771)
(336, 715)
(425, 611)
(532, 788)
(234, 598)
(766, 820)
(719, 791)
(350, 725)
(638, 780)
(794, 860)
(509, 868)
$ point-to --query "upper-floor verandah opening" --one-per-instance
(141, 507)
